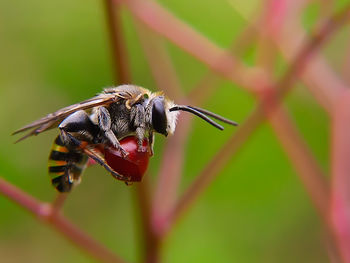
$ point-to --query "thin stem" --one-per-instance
(322, 82)
(58, 203)
(310, 173)
(217, 59)
(266, 54)
(300, 155)
(119, 51)
(50, 216)
(80, 238)
(150, 242)
(209, 81)
(23, 199)
(169, 176)
(309, 50)
(340, 205)
(213, 168)
(170, 171)
(268, 103)
(319, 78)
(160, 63)
(346, 64)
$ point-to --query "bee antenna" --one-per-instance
(197, 113)
(214, 115)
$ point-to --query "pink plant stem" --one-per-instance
(213, 168)
(169, 177)
(160, 63)
(319, 78)
(50, 216)
(247, 38)
(23, 199)
(119, 51)
(300, 155)
(309, 170)
(346, 65)
(164, 23)
(151, 241)
(306, 51)
(326, 9)
(272, 19)
(172, 162)
(58, 203)
(209, 82)
(281, 88)
(203, 89)
(340, 204)
(171, 166)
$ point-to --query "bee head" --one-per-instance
(164, 114)
(163, 121)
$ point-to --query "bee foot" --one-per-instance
(123, 152)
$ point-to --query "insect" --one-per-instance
(103, 121)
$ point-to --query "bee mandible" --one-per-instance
(104, 120)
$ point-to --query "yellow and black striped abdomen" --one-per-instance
(65, 166)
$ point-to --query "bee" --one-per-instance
(105, 119)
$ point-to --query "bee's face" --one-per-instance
(163, 121)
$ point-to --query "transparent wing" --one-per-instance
(54, 119)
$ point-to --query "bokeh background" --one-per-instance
(56, 53)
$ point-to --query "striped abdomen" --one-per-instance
(65, 166)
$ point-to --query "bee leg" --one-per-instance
(100, 160)
(69, 139)
(105, 123)
(137, 114)
(84, 146)
(151, 142)
(140, 136)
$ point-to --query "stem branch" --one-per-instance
(49, 215)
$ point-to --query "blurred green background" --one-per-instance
(56, 53)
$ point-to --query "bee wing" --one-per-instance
(54, 119)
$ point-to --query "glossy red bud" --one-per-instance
(133, 165)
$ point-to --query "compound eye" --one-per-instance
(159, 120)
